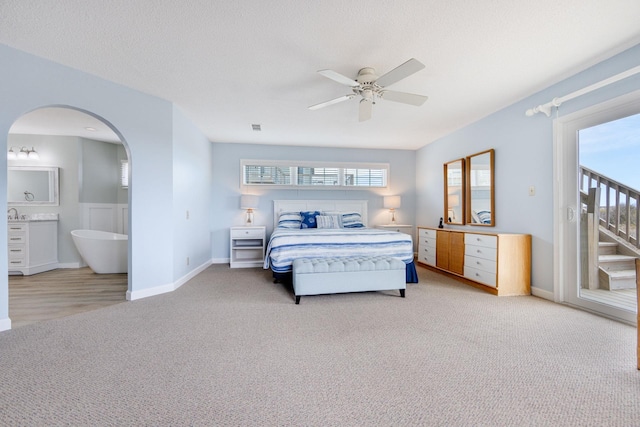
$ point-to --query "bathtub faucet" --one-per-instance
(9, 213)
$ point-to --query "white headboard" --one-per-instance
(360, 206)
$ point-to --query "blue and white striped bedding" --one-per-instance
(286, 245)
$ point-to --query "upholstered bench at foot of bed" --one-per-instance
(315, 276)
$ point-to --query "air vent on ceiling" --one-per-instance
(256, 127)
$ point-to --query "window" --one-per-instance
(296, 174)
(124, 173)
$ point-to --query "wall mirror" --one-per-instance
(480, 189)
(454, 192)
(32, 186)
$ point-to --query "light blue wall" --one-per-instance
(226, 185)
(192, 193)
(145, 124)
(523, 158)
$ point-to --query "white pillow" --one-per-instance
(290, 220)
(328, 221)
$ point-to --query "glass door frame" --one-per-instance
(566, 204)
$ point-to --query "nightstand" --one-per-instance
(406, 229)
(247, 246)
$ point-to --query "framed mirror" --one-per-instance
(454, 192)
(480, 189)
(32, 186)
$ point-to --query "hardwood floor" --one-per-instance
(62, 292)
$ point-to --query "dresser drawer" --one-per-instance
(427, 238)
(481, 264)
(424, 250)
(16, 252)
(481, 240)
(481, 252)
(427, 232)
(426, 258)
(483, 277)
(247, 233)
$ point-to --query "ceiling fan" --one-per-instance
(370, 87)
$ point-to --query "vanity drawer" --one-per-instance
(481, 252)
(481, 240)
(17, 228)
(14, 238)
(477, 275)
(481, 264)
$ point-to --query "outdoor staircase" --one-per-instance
(615, 271)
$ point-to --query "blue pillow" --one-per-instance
(309, 219)
(290, 220)
(352, 220)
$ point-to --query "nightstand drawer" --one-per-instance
(247, 233)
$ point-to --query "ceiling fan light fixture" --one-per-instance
(369, 86)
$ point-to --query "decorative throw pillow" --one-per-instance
(352, 220)
(290, 220)
(328, 221)
(309, 219)
(484, 217)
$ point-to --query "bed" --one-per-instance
(287, 244)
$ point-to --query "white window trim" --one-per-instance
(295, 164)
(124, 174)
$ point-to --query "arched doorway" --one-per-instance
(87, 151)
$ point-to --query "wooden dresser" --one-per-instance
(499, 263)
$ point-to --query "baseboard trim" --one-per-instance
(71, 265)
(541, 293)
(5, 324)
(170, 287)
(220, 260)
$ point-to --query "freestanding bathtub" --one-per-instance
(103, 251)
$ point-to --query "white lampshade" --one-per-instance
(248, 201)
(392, 202)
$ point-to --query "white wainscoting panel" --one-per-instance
(112, 217)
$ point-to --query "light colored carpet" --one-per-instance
(231, 348)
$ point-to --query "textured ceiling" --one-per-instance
(229, 64)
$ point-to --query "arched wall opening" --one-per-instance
(86, 149)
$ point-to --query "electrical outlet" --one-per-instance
(187, 214)
(532, 191)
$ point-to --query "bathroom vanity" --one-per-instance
(33, 245)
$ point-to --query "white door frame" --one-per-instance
(566, 199)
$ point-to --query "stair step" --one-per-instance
(621, 279)
(616, 262)
(607, 248)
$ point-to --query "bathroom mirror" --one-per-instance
(32, 186)
(480, 189)
(454, 192)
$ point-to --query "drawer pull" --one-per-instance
(15, 238)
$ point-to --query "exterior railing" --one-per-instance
(618, 205)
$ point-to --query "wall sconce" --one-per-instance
(23, 153)
(249, 202)
(392, 203)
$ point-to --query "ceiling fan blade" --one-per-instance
(400, 72)
(405, 98)
(365, 110)
(331, 102)
(339, 78)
